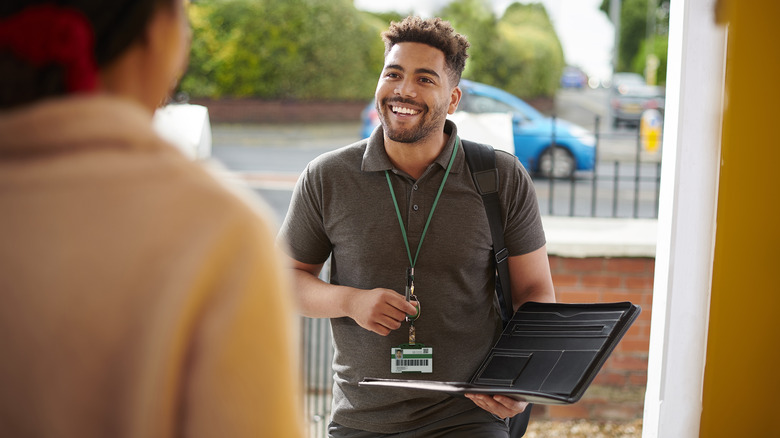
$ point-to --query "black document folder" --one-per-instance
(549, 353)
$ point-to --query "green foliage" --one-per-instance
(475, 20)
(328, 50)
(658, 46)
(520, 52)
(633, 33)
(387, 17)
(283, 49)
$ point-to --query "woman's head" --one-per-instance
(116, 27)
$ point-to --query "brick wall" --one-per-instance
(279, 111)
(617, 393)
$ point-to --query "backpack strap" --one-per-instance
(482, 162)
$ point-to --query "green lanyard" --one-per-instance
(430, 215)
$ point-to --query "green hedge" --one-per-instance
(291, 49)
(519, 52)
(328, 50)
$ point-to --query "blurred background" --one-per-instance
(574, 88)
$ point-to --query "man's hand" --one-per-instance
(498, 405)
(379, 310)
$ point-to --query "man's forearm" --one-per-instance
(318, 299)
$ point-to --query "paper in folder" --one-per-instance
(549, 353)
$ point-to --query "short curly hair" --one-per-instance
(436, 33)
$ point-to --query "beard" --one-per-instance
(430, 121)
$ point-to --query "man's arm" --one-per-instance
(378, 310)
(531, 279)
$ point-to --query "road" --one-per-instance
(270, 157)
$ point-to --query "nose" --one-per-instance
(405, 88)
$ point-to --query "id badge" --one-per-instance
(411, 359)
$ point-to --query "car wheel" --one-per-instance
(556, 162)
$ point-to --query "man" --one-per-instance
(399, 212)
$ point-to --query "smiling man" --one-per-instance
(404, 226)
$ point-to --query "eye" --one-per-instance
(426, 80)
(392, 75)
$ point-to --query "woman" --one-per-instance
(138, 297)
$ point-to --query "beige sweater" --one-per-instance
(138, 296)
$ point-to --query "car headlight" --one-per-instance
(583, 135)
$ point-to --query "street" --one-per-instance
(269, 159)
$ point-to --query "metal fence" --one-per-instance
(628, 186)
(317, 354)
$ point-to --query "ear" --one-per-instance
(454, 100)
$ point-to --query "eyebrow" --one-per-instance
(418, 71)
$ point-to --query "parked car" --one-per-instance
(574, 147)
(630, 96)
(572, 77)
(187, 127)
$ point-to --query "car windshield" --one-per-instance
(643, 91)
(474, 103)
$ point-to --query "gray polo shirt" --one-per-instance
(342, 207)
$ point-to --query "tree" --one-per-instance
(520, 52)
(283, 49)
(634, 44)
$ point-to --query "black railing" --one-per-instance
(317, 355)
(622, 186)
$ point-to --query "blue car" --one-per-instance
(573, 77)
(574, 147)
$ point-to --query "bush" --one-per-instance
(328, 50)
(277, 49)
(520, 52)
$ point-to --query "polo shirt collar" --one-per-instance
(375, 157)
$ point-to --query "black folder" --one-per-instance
(549, 353)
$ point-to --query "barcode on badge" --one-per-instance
(408, 360)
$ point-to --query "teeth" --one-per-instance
(398, 109)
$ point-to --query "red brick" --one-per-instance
(613, 296)
(645, 283)
(637, 379)
(584, 265)
(635, 345)
(576, 411)
(566, 280)
(628, 363)
(608, 377)
(570, 296)
(630, 265)
(622, 411)
(249, 110)
(636, 332)
(605, 281)
(645, 317)
(642, 329)
(556, 263)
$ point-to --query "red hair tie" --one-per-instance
(45, 34)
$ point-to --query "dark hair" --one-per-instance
(116, 24)
(436, 33)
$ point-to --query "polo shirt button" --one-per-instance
(415, 187)
(415, 207)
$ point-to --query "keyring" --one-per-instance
(416, 315)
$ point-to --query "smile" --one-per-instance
(402, 110)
